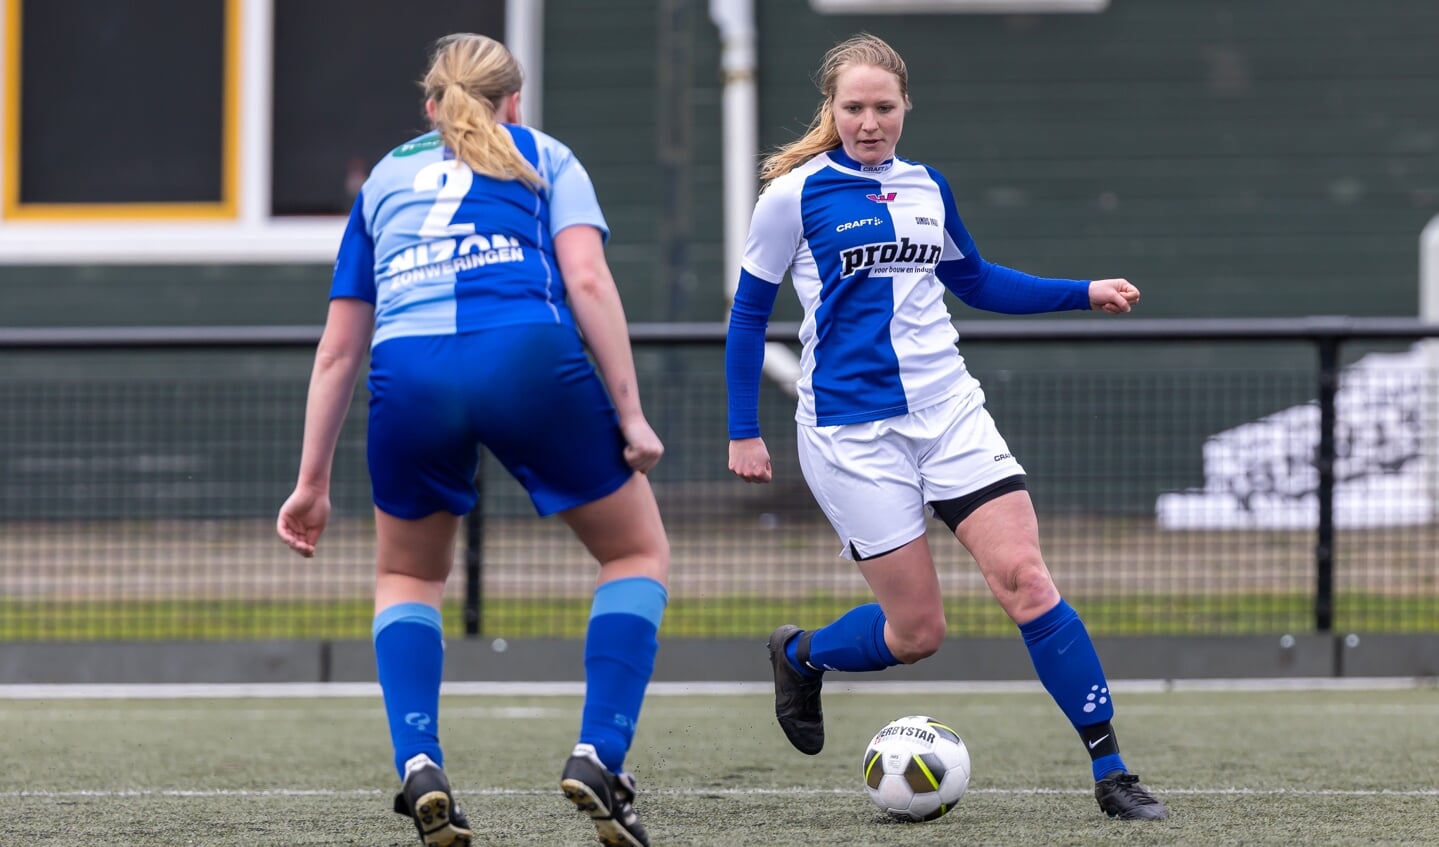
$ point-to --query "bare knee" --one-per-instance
(656, 563)
(1026, 590)
(650, 560)
(915, 641)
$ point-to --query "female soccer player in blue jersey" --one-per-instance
(472, 262)
(891, 424)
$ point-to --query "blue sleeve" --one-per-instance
(355, 263)
(744, 352)
(996, 288)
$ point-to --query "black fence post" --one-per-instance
(475, 557)
(1324, 462)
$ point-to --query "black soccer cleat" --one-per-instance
(1121, 796)
(425, 798)
(796, 696)
(608, 798)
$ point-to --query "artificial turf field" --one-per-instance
(1304, 763)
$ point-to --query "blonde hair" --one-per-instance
(469, 77)
(862, 50)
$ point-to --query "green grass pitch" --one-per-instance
(1236, 767)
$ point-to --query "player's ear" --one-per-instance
(510, 110)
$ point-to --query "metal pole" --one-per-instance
(475, 558)
(1429, 313)
(1324, 460)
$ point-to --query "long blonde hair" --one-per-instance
(469, 77)
(862, 50)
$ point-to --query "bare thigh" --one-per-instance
(1003, 537)
(413, 557)
(624, 532)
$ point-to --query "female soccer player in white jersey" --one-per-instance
(473, 260)
(891, 424)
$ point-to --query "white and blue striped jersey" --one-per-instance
(440, 250)
(871, 250)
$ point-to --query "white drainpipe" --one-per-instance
(735, 20)
(1429, 313)
(525, 37)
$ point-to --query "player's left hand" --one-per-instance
(1115, 296)
(643, 448)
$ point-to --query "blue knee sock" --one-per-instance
(1068, 666)
(854, 642)
(620, 648)
(410, 656)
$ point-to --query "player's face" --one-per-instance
(869, 113)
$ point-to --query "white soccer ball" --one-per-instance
(916, 768)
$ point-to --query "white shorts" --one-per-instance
(875, 480)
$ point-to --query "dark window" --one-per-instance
(122, 101)
(347, 89)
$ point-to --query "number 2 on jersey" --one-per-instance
(452, 180)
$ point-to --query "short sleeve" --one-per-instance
(572, 194)
(355, 262)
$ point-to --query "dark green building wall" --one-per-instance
(1232, 157)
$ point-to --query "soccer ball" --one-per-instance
(916, 768)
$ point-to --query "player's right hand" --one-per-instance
(749, 460)
(302, 519)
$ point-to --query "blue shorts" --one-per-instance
(528, 393)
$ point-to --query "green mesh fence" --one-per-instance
(1176, 493)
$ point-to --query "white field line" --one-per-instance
(211, 713)
(168, 691)
(1042, 709)
(101, 794)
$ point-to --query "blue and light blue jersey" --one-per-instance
(440, 250)
(871, 250)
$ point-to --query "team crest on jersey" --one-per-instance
(413, 147)
(881, 198)
(905, 252)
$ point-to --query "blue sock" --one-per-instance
(620, 648)
(1069, 668)
(854, 642)
(410, 656)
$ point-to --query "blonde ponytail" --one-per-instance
(469, 77)
(822, 136)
